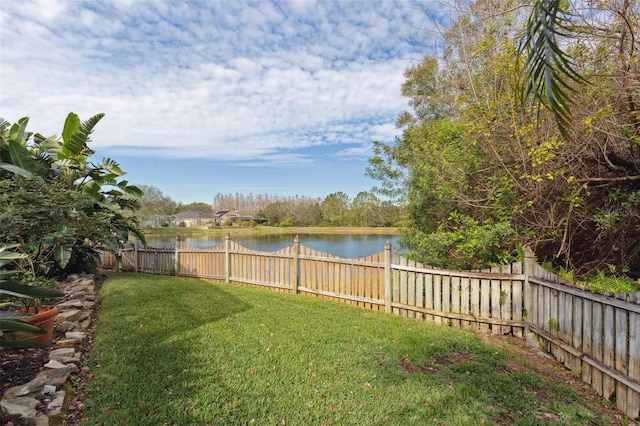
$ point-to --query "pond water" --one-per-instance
(345, 246)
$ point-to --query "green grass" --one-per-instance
(181, 351)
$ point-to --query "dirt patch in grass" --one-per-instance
(408, 366)
(526, 357)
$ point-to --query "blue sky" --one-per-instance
(201, 97)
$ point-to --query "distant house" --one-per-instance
(224, 215)
(193, 218)
(232, 217)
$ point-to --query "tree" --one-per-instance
(486, 165)
(363, 208)
(276, 213)
(198, 206)
(155, 205)
(334, 209)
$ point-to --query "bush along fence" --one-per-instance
(596, 336)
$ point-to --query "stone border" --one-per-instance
(41, 401)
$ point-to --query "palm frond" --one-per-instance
(548, 71)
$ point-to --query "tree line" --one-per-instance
(337, 209)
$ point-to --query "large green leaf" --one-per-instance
(131, 189)
(17, 133)
(72, 125)
(62, 254)
(111, 166)
(13, 293)
(7, 257)
(17, 325)
(75, 137)
(30, 291)
(92, 190)
(15, 169)
(13, 315)
(21, 157)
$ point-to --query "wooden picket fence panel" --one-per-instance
(488, 301)
(596, 336)
(355, 281)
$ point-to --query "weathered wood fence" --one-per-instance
(596, 336)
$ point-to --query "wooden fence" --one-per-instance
(596, 336)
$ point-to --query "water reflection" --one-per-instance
(345, 246)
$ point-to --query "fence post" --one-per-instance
(119, 260)
(387, 277)
(528, 294)
(296, 265)
(227, 258)
(136, 255)
(177, 256)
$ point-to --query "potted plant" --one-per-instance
(24, 321)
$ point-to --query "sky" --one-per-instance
(206, 97)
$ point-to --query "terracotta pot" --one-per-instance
(45, 318)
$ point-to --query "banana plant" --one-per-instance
(65, 160)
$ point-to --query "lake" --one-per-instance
(345, 246)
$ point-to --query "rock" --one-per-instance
(66, 326)
(70, 315)
(69, 359)
(34, 386)
(79, 294)
(18, 407)
(62, 352)
(70, 304)
(85, 282)
(22, 410)
(58, 372)
(79, 335)
(65, 343)
(55, 406)
(54, 364)
(58, 376)
(42, 419)
(49, 389)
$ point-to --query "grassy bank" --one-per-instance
(183, 351)
(293, 230)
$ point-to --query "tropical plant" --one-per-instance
(50, 180)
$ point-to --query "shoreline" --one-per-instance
(267, 230)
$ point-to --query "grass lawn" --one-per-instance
(182, 351)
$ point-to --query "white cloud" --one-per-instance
(222, 80)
